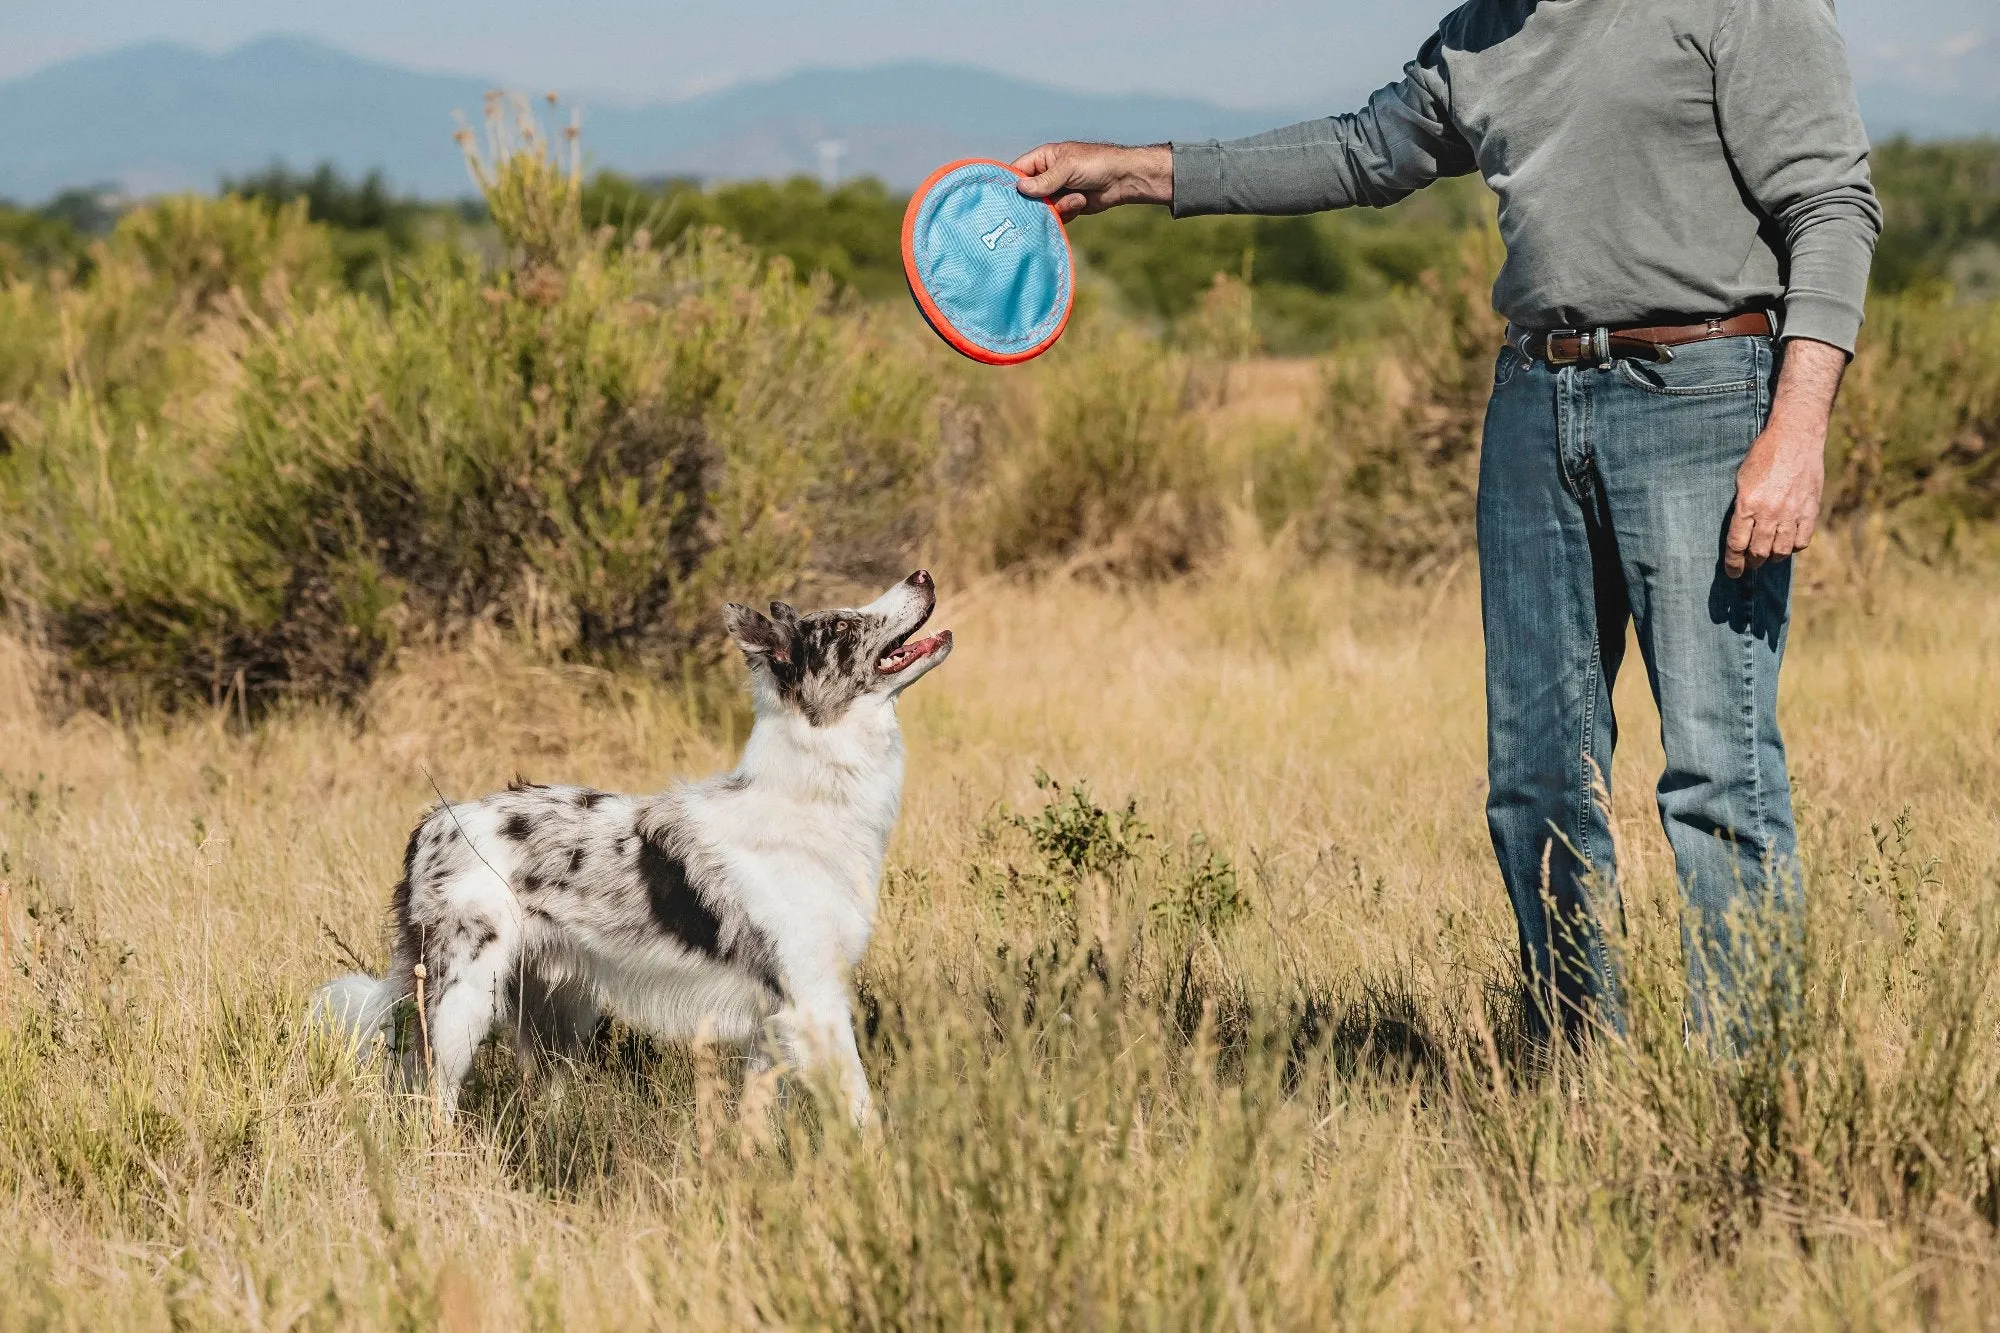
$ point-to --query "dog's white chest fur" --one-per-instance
(807, 837)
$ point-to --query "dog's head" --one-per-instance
(819, 665)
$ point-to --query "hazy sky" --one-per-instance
(1239, 52)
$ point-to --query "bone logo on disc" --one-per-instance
(991, 240)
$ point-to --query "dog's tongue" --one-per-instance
(911, 653)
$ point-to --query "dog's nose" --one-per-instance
(920, 579)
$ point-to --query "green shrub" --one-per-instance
(1401, 428)
(1940, 201)
(1916, 439)
(173, 283)
(369, 228)
(205, 249)
(851, 233)
(1074, 836)
(1200, 889)
(1075, 847)
(1103, 461)
(32, 244)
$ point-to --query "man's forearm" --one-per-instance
(1808, 386)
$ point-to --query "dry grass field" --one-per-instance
(1236, 1056)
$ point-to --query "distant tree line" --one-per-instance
(1314, 279)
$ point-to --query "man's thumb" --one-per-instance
(1042, 186)
(1043, 172)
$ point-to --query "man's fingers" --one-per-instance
(1753, 543)
(1741, 527)
(1036, 160)
(1048, 170)
(1736, 546)
(1764, 542)
(1070, 205)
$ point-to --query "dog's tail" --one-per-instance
(354, 1008)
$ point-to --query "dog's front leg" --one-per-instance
(847, 1063)
(816, 1034)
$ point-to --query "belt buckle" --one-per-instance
(1549, 347)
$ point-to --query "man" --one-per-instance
(1685, 199)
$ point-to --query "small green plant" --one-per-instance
(1076, 840)
(1896, 876)
(1200, 889)
(1075, 836)
(1071, 840)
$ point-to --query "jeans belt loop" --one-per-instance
(1600, 339)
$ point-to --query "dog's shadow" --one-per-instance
(566, 1131)
(1377, 1034)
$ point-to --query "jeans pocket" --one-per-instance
(1718, 366)
(1507, 365)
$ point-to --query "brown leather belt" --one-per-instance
(1571, 347)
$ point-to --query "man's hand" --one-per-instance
(1091, 177)
(1778, 487)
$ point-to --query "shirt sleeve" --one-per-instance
(1785, 101)
(1397, 144)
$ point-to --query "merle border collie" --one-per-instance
(732, 909)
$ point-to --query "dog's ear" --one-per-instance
(784, 615)
(757, 635)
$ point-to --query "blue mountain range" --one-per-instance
(157, 117)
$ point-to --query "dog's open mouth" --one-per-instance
(902, 654)
(906, 655)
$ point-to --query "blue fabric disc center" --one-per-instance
(994, 263)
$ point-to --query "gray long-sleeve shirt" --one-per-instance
(1654, 159)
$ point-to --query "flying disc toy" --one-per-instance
(990, 268)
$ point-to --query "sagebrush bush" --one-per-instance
(1915, 445)
(1403, 427)
(598, 454)
(205, 250)
(171, 279)
(1103, 461)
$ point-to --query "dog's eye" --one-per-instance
(844, 628)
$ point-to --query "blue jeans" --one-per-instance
(1604, 496)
